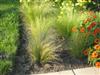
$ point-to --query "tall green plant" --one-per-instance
(67, 19)
(39, 19)
(77, 44)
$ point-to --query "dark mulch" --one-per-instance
(22, 61)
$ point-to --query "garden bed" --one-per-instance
(23, 64)
(42, 36)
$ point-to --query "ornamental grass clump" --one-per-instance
(39, 18)
(68, 24)
(66, 19)
(77, 43)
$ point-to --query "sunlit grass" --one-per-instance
(8, 35)
(5, 66)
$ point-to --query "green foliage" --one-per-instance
(40, 43)
(77, 44)
(82, 40)
(92, 60)
(5, 67)
(9, 1)
(40, 16)
(8, 35)
(95, 60)
(86, 4)
(67, 18)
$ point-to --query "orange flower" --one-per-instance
(91, 13)
(85, 21)
(82, 29)
(97, 47)
(88, 19)
(74, 29)
(96, 41)
(85, 52)
(97, 64)
(94, 16)
(94, 54)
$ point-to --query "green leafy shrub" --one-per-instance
(87, 5)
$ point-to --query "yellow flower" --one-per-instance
(81, 0)
(20, 1)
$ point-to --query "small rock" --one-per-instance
(47, 66)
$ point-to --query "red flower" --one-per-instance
(82, 29)
(91, 25)
(89, 28)
(97, 30)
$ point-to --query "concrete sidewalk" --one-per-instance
(87, 71)
(83, 71)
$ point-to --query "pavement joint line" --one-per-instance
(72, 68)
(73, 72)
